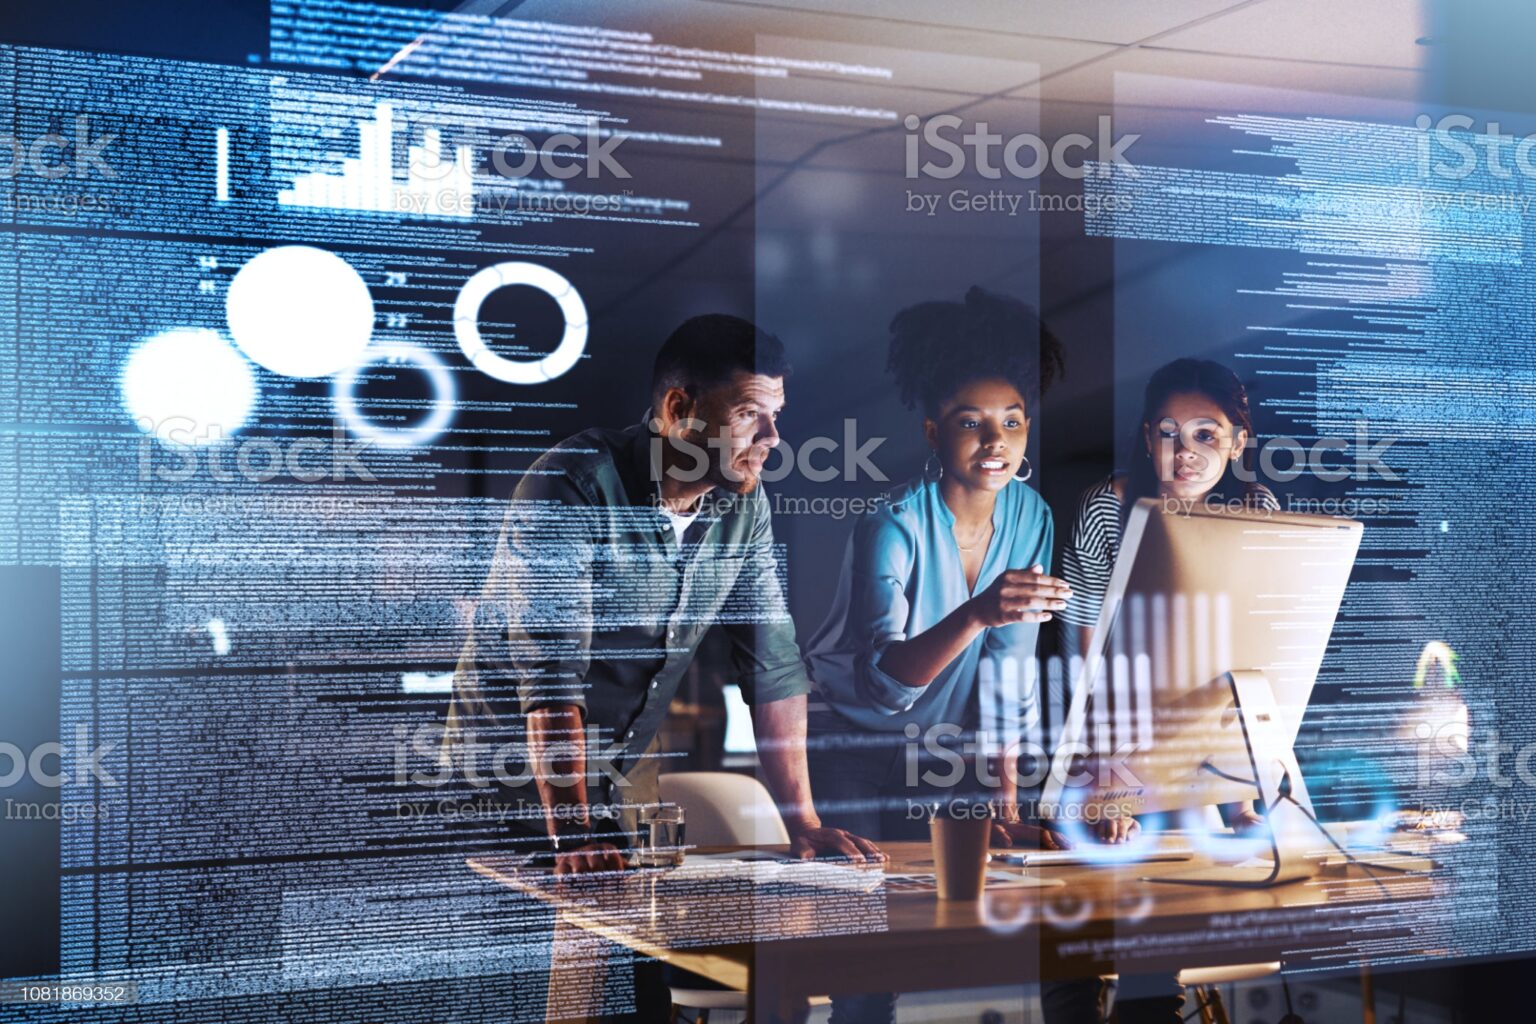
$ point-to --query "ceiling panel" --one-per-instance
(1364, 47)
(1106, 21)
(1380, 32)
(1093, 85)
(954, 31)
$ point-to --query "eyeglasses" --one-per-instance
(1202, 433)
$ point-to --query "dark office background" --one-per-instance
(1479, 59)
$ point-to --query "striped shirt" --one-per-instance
(1094, 544)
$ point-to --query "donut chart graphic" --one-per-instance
(301, 311)
(466, 323)
(343, 394)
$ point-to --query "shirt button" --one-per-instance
(655, 683)
(671, 634)
(630, 735)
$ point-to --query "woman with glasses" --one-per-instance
(1195, 448)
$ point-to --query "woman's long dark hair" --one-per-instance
(1216, 382)
(939, 347)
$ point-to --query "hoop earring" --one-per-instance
(1029, 470)
(929, 472)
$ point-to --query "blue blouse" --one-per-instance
(902, 574)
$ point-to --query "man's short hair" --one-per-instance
(709, 350)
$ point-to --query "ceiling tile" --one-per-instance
(1109, 21)
(1094, 84)
(1381, 32)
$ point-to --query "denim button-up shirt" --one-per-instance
(902, 574)
(593, 602)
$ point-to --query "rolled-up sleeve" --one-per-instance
(879, 609)
(764, 649)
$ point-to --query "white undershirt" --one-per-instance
(680, 523)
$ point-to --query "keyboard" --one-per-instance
(1096, 857)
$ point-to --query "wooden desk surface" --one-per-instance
(865, 936)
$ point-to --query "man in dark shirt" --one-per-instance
(621, 548)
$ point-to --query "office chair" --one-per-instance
(724, 809)
(720, 809)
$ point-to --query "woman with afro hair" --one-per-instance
(931, 636)
(933, 625)
(946, 582)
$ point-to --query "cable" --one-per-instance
(1285, 794)
(1208, 767)
(1344, 852)
(1290, 1011)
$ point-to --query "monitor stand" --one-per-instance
(1279, 782)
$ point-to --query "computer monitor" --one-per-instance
(1202, 663)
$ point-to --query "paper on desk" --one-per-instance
(784, 871)
(737, 857)
(1003, 879)
(928, 882)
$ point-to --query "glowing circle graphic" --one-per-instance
(397, 353)
(466, 323)
(188, 386)
(300, 311)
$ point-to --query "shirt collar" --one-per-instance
(643, 476)
(644, 483)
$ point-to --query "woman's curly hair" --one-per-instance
(939, 347)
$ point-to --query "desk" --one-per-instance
(780, 943)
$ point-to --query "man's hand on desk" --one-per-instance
(1118, 829)
(1028, 837)
(806, 841)
(1246, 821)
(589, 858)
